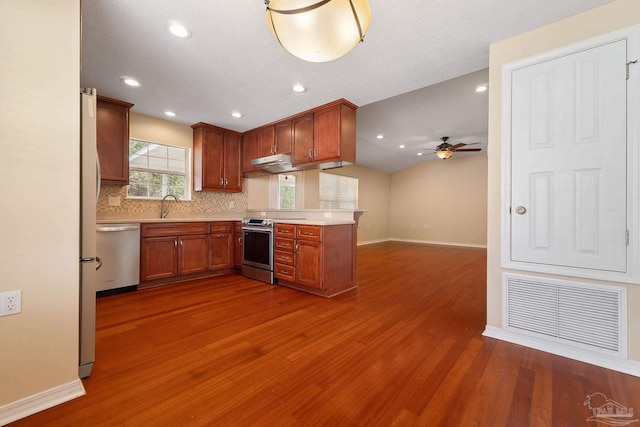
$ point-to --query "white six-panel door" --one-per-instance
(569, 160)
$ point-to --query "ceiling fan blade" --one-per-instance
(455, 147)
(469, 149)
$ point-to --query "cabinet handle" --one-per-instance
(315, 151)
(221, 181)
(275, 149)
(180, 243)
(310, 153)
(297, 248)
(226, 182)
(240, 240)
(175, 243)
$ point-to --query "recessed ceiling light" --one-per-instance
(298, 88)
(180, 31)
(236, 114)
(170, 113)
(481, 88)
(402, 146)
(419, 154)
(380, 136)
(130, 81)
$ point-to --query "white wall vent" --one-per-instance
(578, 314)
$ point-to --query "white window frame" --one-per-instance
(187, 174)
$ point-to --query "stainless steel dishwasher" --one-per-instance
(118, 246)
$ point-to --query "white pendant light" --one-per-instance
(318, 30)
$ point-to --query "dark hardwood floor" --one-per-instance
(403, 349)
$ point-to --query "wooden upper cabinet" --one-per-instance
(321, 135)
(216, 159)
(267, 141)
(302, 134)
(284, 137)
(232, 161)
(250, 150)
(334, 133)
(113, 140)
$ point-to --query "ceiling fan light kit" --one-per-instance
(318, 30)
(444, 154)
(446, 150)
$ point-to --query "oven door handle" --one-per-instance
(259, 229)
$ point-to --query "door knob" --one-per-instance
(521, 210)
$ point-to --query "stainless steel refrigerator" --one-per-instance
(89, 262)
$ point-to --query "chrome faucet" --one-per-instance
(163, 212)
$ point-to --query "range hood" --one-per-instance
(281, 163)
(277, 163)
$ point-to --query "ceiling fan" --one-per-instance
(446, 150)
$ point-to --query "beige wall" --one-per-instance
(441, 201)
(616, 15)
(39, 165)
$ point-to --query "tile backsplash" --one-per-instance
(203, 203)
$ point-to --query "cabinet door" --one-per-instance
(284, 136)
(213, 159)
(326, 128)
(267, 141)
(221, 249)
(158, 258)
(193, 253)
(309, 263)
(250, 150)
(302, 134)
(208, 157)
(112, 131)
(232, 155)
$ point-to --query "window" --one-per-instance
(156, 170)
(338, 191)
(286, 191)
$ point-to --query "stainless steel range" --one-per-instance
(257, 249)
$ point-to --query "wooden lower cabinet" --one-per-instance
(173, 252)
(221, 246)
(158, 258)
(318, 259)
(192, 254)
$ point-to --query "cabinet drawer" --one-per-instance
(285, 230)
(284, 244)
(309, 232)
(221, 227)
(284, 258)
(285, 272)
(173, 229)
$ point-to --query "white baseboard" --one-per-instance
(626, 366)
(39, 402)
(422, 242)
(429, 242)
(372, 242)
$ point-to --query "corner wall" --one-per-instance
(602, 20)
(441, 201)
(40, 169)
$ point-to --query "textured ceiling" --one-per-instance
(233, 63)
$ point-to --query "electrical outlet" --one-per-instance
(327, 214)
(10, 302)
